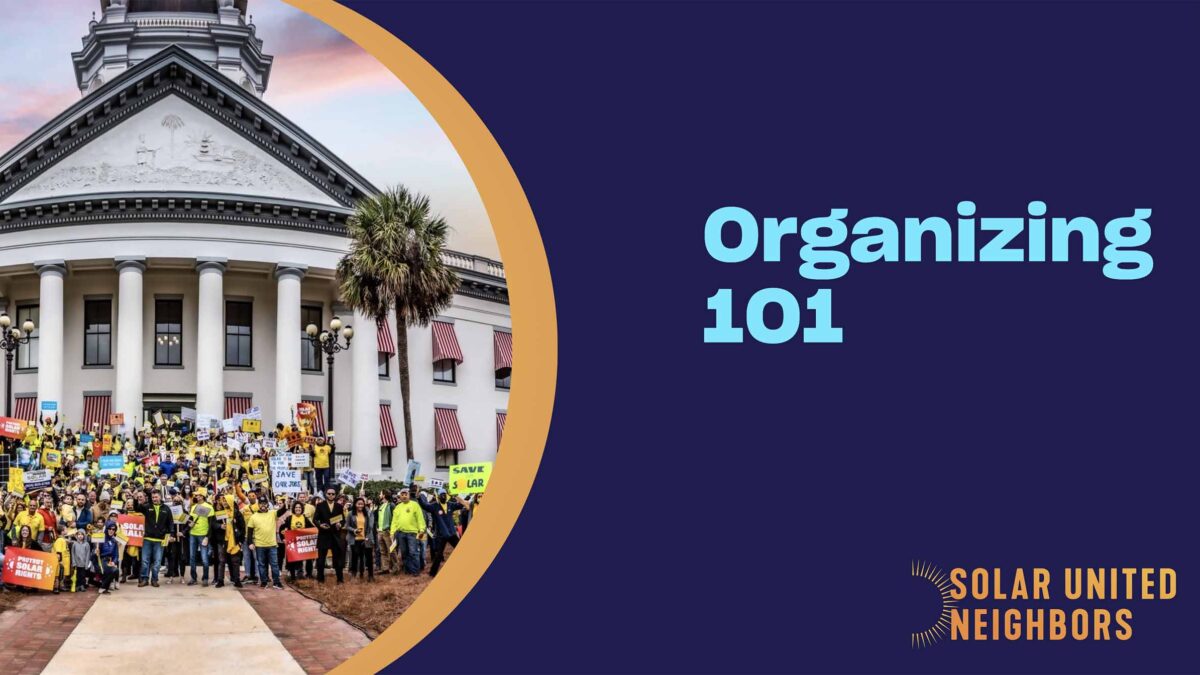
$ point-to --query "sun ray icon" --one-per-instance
(940, 628)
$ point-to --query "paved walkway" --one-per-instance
(184, 629)
(319, 642)
(32, 632)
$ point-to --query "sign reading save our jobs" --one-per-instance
(33, 569)
(470, 478)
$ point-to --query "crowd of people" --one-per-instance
(209, 510)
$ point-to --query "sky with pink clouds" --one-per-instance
(390, 139)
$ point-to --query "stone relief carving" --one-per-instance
(172, 150)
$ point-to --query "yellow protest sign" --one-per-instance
(16, 481)
(470, 478)
(251, 426)
(52, 459)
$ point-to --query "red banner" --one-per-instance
(300, 544)
(11, 427)
(134, 527)
(35, 569)
(306, 410)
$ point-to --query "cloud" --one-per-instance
(23, 111)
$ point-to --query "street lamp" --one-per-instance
(327, 341)
(10, 339)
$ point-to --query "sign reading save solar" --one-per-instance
(470, 478)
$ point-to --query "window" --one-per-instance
(504, 378)
(384, 364)
(444, 370)
(168, 332)
(446, 458)
(27, 355)
(237, 334)
(385, 460)
(310, 352)
(97, 332)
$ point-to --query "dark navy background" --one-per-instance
(706, 508)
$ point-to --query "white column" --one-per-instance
(364, 397)
(210, 337)
(50, 332)
(128, 387)
(287, 339)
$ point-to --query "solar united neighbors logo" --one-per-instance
(993, 604)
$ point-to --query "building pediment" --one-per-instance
(174, 125)
(170, 146)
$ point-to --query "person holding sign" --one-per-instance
(444, 532)
(159, 523)
(362, 540)
(330, 519)
(321, 452)
(296, 520)
(199, 523)
(260, 532)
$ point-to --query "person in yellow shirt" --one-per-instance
(32, 518)
(262, 533)
(61, 547)
(408, 522)
(321, 452)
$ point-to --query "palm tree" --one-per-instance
(395, 262)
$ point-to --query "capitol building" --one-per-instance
(171, 235)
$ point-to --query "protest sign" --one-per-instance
(410, 473)
(16, 481)
(24, 457)
(49, 406)
(437, 483)
(10, 427)
(286, 481)
(348, 477)
(228, 425)
(470, 478)
(158, 419)
(257, 478)
(300, 544)
(206, 421)
(269, 443)
(134, 528)
(254, 413)
(112, 464)
(251, 426)
(37, 480)
(52, 459)
(306, 410)
(177, 513)
(116, 419)
(32, 569)
(202, 434)
(299, 460)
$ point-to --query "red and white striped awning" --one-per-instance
(387, 430)
(319, 427)
(501, 418)
(25, 408)
(447, 434)
(445, 342)
(503, 345)
(96, 411)
(237, 405)
(384, 330)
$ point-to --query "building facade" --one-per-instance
(171, 235)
